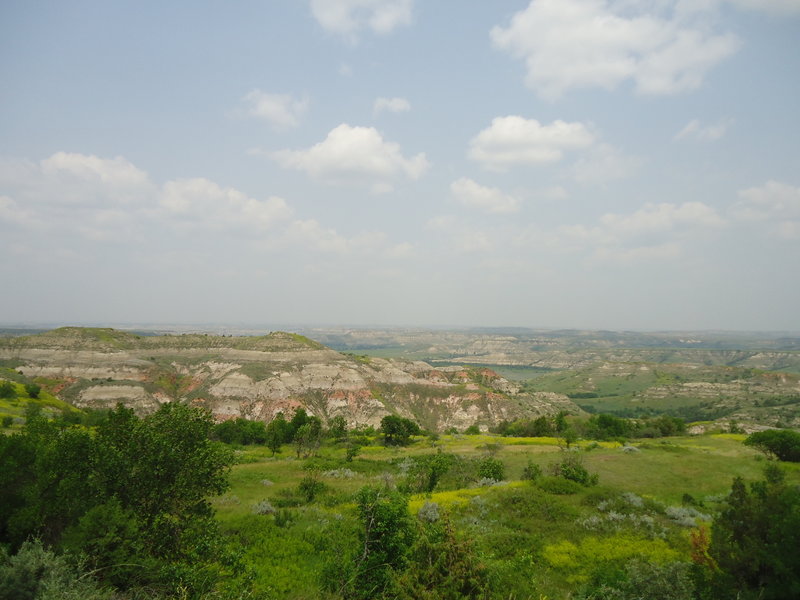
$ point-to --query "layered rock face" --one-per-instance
(258, 377)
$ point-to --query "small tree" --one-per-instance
(338, 427)
(385, 539)
(7, 390)
(754, 541)
(397, 431)
(33, 390)
(274, 436)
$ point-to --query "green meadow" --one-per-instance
(535, 538)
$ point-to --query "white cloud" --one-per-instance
(354, 155)
(113, 200)
(200, 202)
(695, 130)
(281, 110)
(394, 105)
(602, 164)
(487, 199)
(774, 202)
(514, 140)
(116, 172)
(573, 44)
(349, 17)
(654, 231)
(656, 218)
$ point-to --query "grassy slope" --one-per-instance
(514, 527)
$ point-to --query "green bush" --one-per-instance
(532, 471)
(32, 390)
(8, 390)
(558, 485)
(571, 467)
(491, 468)
(640, 579)
(35, 573)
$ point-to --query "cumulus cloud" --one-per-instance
(113, 200)
(653, 231)
(573, 44)
(281, 110)
(77, 193)
(776, 203)
(695, 130)
(349, 17)
(201, 202)
(657, 218)
(514, 140)
(488, 199)
(116, 172)
(394, 105)
(354, 155)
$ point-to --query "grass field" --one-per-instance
(518, 527)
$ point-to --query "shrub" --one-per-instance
(571, 467)
(7, 390)
(428, 512)
(310, 486)
(532, 471)
(264, 507)
(491, 468)
(35, 573)
(558, 485)
(641, 579)
(686, 516)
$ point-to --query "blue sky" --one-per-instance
(614, 164)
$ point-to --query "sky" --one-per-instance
(602, 164)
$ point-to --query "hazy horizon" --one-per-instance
(555, 164)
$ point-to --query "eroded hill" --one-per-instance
(257, 377)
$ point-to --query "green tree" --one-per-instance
(782, 444)
(33, 390)
(441, 567)
(299, 419)
(8, 390)
(397, 431)
(385, 539)
(337, 427)
(275, 435)
(754, 541)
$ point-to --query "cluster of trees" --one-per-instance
(131, 496)
(304, 431)
(8, 391)
(596, 427)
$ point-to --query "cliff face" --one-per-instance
(257, 377)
